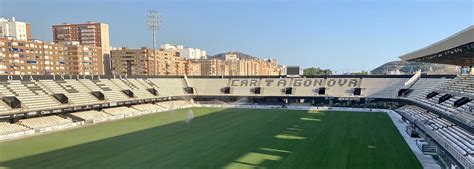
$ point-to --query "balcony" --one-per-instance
(88, 34)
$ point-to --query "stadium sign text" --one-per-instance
(309, 82)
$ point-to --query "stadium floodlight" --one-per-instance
(154, 21)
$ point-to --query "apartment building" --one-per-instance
(214, 67)
(15, 29)
(33, 57)
(239, 67)
(90, 33)
(127, 61)
(132, 61)
(193, 68)
(169, 63)
(83, 59)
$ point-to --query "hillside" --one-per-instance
(403, 67)
(240, 55)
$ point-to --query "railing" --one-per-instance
(413, 79)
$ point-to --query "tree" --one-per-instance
(313, 71)
(363, 72)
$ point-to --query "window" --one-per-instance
(31, 62)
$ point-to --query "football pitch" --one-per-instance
(221, 138)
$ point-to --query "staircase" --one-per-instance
(69, 116)
(428, 150)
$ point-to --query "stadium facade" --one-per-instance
(438, 108)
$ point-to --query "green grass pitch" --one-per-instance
(221, 138)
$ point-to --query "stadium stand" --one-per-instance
(301, 90)
(335, 87)
(48, 123)
(462, 85)
(170, 105)
(148, 108)
(111, 91)
(8, 128)
(76, 93)
(132, 84)
(459, 87)
(31, 95)
(3, 107)
(36, 96)
(344, 90)
(274, 89)
(147, 83)
(205, 86)
(122, 111)
(424, 86)
(447, 103)
(239, 89)
(382, 88)
(169, 86)
(454, 139)
(57, 122)
(42, 122)
(92, 115)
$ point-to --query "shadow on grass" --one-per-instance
(281, 145)
(252, 138)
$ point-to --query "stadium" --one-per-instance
(333, 121)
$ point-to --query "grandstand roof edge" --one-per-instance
(458, 39)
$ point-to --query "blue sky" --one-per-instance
(343, 35)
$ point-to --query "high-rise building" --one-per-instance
(90, 33)
(34, 57)
(83, 59)
(15, 29)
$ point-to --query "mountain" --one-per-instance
(402, 67)
(240, 55)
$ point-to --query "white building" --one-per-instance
(189, 53)
(231, 56)
(13, 28)
(167, 46)
(193, 53)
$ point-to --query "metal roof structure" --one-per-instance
(457, 49)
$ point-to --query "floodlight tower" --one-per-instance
(154, 21)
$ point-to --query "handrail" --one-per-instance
(413, 79)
